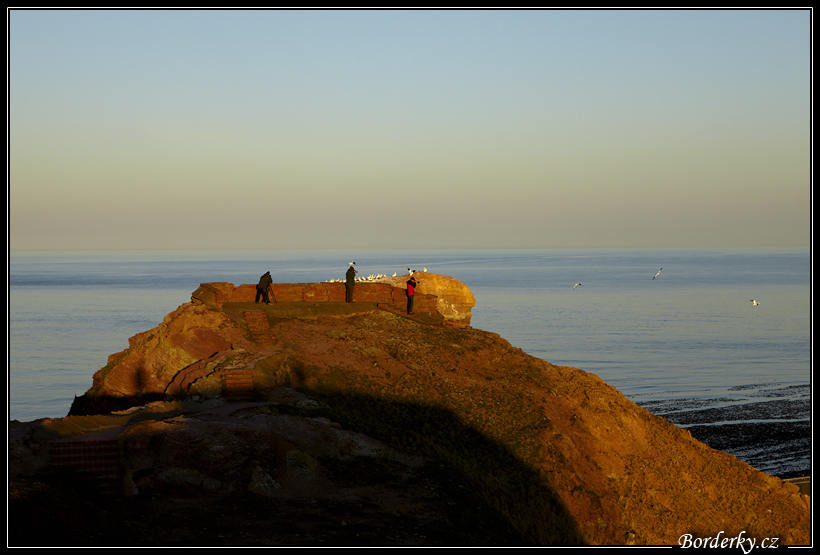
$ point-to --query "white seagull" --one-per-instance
(576, 285)
(754, 302)
(350, 263)
(656, 275)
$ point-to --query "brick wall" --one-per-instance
(364, 292)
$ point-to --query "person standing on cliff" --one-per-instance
(262, 288)
(350, 281)
(411, 292)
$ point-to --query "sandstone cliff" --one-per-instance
(399, 424)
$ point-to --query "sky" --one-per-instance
(237, 129)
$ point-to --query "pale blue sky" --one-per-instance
(422, 129)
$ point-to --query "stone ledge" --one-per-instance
(295, 299)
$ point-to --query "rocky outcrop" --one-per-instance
(454, 300)
(185, 349)
(189, 351)
(358, 406)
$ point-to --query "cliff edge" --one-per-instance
(394, 425)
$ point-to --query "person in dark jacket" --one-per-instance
(350, 281)
(262, 288)
(411, 292)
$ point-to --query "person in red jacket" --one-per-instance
(411, 291)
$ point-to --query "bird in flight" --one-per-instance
(576, 285)
(656, 275)
(350, 263)
(754, 302)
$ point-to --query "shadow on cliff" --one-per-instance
(103, 404)
(521, 495)
(487, 470)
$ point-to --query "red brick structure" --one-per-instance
(386, 295)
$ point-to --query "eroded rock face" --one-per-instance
(455, 300)
(152, 363)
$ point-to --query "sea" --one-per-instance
(674, 330)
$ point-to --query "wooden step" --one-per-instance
(259, 326)
(239, 383)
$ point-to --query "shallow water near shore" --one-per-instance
(688, 345)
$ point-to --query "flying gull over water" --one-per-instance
(656, 275)
(754, 302)
(576, 285)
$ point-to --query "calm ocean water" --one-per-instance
(689, 337)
